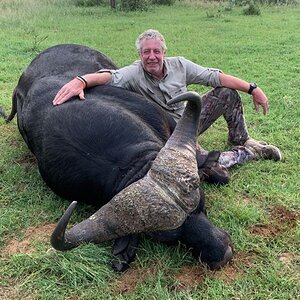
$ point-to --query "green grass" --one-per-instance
(260, 206)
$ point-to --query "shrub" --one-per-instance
(132, 5)
(87, 3)
(163, 2)
(265, 2)
(252, 9)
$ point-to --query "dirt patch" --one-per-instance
(27, 161)
(289, 258)
(236, 268)
(127, 282)
(31, 236)
(284, 216)
(246, 199)
(266, 230)
(7, 293)
(188, 277)
(281, 220)
(11, 292)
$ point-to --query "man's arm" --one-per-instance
(259, 98)
(77, 85)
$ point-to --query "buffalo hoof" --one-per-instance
(124, 251)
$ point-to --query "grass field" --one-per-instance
(260, 206)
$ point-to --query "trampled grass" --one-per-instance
(260, 206)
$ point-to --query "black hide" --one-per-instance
(90, 150)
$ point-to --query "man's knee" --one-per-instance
(226, 93)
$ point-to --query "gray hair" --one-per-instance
(150, 34)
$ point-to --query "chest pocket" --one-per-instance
(176, 92)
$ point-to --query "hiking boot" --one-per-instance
(262, 150)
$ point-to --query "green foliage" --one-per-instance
(88, 3)
(251, 9)
(163, 2)
(133, 5)
(263, 2)
(36, 41)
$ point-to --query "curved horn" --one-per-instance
(58, 236)
(186, 130)
(140, 207)
(97, 228)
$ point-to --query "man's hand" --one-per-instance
(73, 88)
(260, 99)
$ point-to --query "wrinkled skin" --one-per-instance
(193, 233)
(86, 153)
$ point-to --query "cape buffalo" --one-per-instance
(120, 152)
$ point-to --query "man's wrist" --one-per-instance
(252, 87)
(83, 80)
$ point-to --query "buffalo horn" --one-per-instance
(161, 200)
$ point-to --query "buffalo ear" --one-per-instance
(124, 251)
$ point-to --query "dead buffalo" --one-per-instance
(120, 152)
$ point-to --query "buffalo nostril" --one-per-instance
(216, 265)
(228, 255)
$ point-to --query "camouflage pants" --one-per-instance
(227, 103)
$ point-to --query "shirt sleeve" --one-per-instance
(123, 77)
(201, 75)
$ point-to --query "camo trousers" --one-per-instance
(227, 103)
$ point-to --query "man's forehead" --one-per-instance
(152, 44)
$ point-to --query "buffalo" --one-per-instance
(122, 153)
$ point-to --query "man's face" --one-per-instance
(152, 57)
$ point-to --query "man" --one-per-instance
(160, 78)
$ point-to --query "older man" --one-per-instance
(160, 78)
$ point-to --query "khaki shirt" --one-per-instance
(180, 72)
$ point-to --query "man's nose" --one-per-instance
(152, 55)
